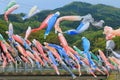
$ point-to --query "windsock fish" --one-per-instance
(43, 25)
(10, 4)
(61, 51)
(79, 51)
(39, 46)
(110, 44)
(27, 47)
(10, 10)
(81, 28)
(25, 59)
(84, 25)
(63, 42)
(86, 47)
(4, 61)
(110, 32)
(117, 55)
(68, 58)
(51, 23)
(34, 10)
(13, 44)
(55, 53)
(98, 24)
(108, 65)
(52, 60)
(69, 18)
(116, 61)
(27, 33)
(4, 48)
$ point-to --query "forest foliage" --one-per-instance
(109, 14)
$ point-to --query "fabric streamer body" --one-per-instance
(69, 18)
(10, 10)
(51, 23)
(43, 25)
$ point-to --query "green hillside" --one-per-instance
(109, 14)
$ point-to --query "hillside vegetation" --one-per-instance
(109, 14)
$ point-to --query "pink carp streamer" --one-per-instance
(9, 11)
(43, 24)
(105, 60)
(69, 18)
(64, 44)
(4, 48)
(110, 32)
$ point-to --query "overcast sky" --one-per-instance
(25, 5)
